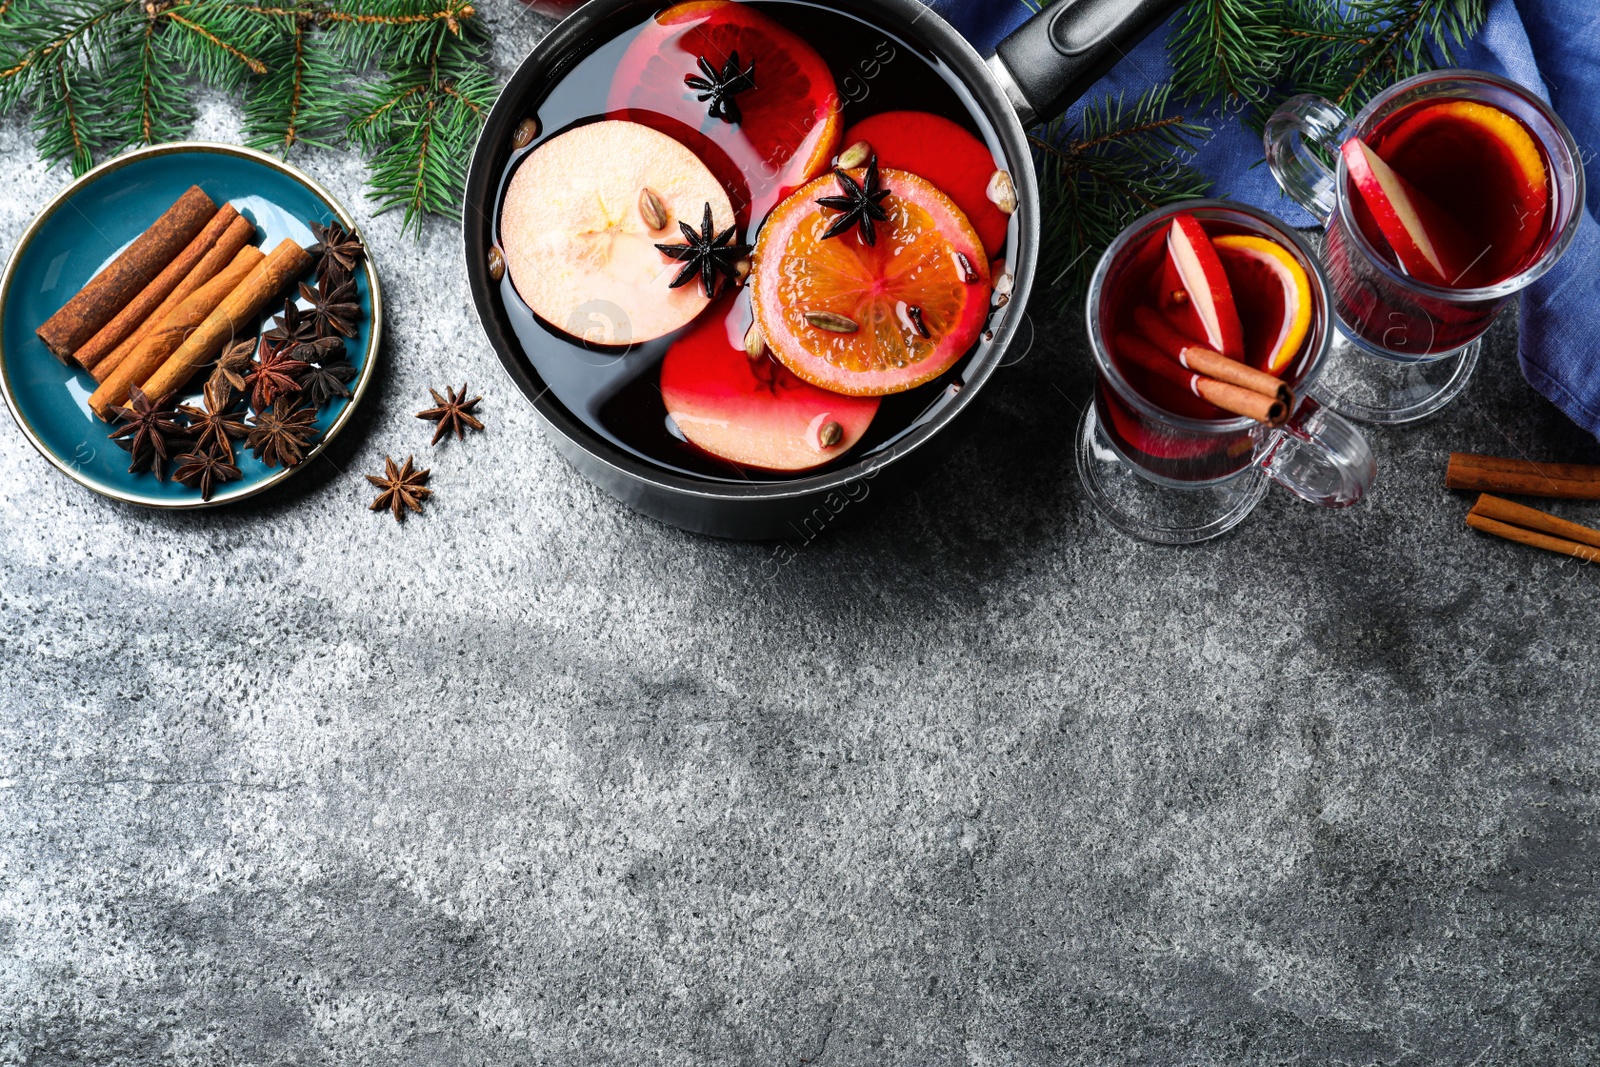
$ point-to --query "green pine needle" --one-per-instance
(99, 76)
(1122, 161)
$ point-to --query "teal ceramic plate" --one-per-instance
(80, 231)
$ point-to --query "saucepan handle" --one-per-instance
(1054, 57)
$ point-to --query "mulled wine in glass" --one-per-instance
(1452, 191)
(1209, 323)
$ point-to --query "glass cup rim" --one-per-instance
(1509, 286)
(1102, 358)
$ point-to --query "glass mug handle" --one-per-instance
(1299, 170)
(1320, 457)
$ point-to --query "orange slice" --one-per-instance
(927, 264)
(1274, 297)
(789, 123)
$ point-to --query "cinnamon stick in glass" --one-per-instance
(240, 232)
(124, 322)
(1203, 360)
(170, 335)
(235, 315)
(1568, 481)
(1268, 410)
(109, 291)
(1501, 510)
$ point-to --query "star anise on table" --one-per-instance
(453, 412)
(328, 372)
(333, 306)
(147, 429)
(281, 435)
(207, 469)
(706, 255)
(216, 425)
(861, 203)
(233, 366)
(275, 374)
(337, 246)
(720, 87)
(402, 488)
(293, 327)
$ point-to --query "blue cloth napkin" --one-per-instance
(1551, 47)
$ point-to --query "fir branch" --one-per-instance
(1228, 49)
(1121, 161)
(1351, 53)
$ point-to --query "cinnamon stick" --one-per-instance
(1568, 481)
(1502, 510)
(234, 315)
(109, 291)
(1203, 360)
(240, 232)
(1268, 410)
(170, 335)
(1530, 537)
(124, 322)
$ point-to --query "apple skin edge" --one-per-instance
(1200, 270)
(1430, 245)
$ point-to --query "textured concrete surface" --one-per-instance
(534, 780)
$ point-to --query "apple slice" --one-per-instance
(1206, 283)
(1429, 244)
(576, 238)
(755, 412)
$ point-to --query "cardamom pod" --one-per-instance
(755, 346)
(497, 263)
(652, 210)
(827, 320)
(1002, 193)
(855, 156)
(831, 434)
(523, 135)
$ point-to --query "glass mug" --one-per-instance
(1405, 348)
(1176, 479)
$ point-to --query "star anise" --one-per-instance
(335, 245)
(233, 366)
(328, 373)
(860, 204)
(293, 327)
(275, 374)
(402, 488)
(281, 437)
(216, 426)
(705, 255)
(333, 306)
(452, 414)
(147, 428)
(206, 468)
(720, 87)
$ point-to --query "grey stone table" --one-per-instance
(534, 780)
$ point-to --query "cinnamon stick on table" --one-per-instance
(1268, 410)
(1501, 510)
(109, 291)
(126, 321)
(1569, 481)
(236, 314)
(1587, 553)
(1203, 360)
(240, 232)
(170, 335)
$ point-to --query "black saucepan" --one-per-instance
(1036, 73)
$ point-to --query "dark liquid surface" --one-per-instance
(614, 388)
(1468, 174)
